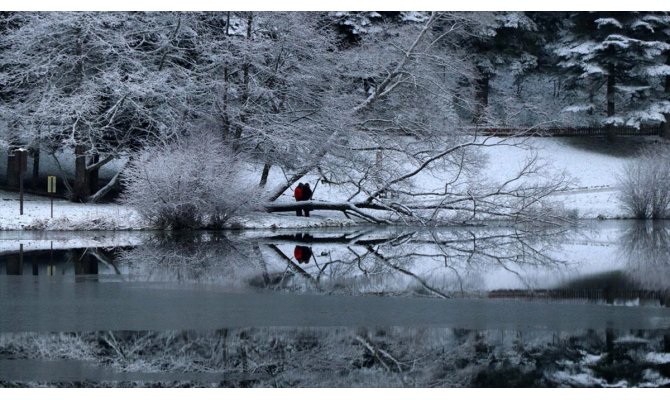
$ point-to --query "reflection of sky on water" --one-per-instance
(250, 283)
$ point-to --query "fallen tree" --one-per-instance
(405, 129)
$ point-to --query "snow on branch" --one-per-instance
(608, 21)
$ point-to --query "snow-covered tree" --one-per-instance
(92, 83)
(505, 43)
(408, 118)
(192, 183)
(621, 52)
(263, 82)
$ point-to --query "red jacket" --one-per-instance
(297, 253)
(298, 193)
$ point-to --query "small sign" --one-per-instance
(51, 186)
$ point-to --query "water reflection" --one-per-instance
(627, 265)
(441, 263)
(481, 343)
(87, 261)
(351, 357)
(646, 248)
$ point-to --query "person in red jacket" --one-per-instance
(298, 194)
(306, 196)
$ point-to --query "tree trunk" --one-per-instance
(592, 90)
(611, 80)
(666, 125)
(246, 70)
(13, 168)
(264, 174)
(225, 117)
(34, 181)
(93, 176)
(94, 198)
(82, 187)
(481, 97)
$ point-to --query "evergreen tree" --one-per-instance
(621, 52)
(507, 43)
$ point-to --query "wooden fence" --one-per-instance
(567, 131)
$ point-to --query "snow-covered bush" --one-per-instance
(644, 185)
(190, 184)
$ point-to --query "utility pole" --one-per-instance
(23, 166)
(51, 189)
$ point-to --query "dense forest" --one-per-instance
(326, 93)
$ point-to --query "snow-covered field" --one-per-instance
(67, 215)
(592, 195)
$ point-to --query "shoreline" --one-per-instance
(256, 222)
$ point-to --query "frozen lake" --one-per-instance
(575, 306)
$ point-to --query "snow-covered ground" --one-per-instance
(592, 167)
(33, 240)
(67, 215)
(594, 173)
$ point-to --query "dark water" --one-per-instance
(474, 307)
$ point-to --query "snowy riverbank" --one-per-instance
(589, 162)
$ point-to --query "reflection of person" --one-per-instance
(302, 254)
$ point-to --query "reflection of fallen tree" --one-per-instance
(425, 262)
(448, 254)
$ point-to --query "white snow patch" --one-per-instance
(653, 379)
(658, 358)
(262, 220)
(642, 24)
(414, 16)
(582, 48)
(620, 41)
(591, 69)
(631, 89)
(67, 215)
(591, 359)
(630, 340)
(616, 121)
(658, 70)
(608, 21)
(579, 108)
(580, 379)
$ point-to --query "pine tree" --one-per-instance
(620, 52)
(506, 39)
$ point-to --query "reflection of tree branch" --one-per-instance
(408, 273)
(293, 265)
(104, 259)
(380, 354)
(342, 239)
(646, 248)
